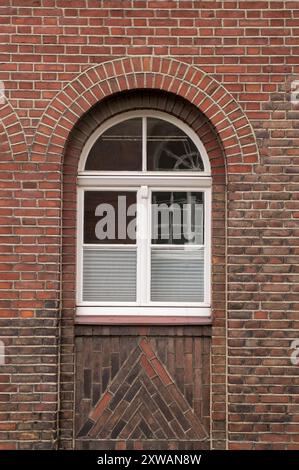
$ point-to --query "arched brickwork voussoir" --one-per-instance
(189, 82)
(13, 144)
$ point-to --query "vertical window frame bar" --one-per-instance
(80, 231)
(144, 143)
(142, 276)
(207, 220)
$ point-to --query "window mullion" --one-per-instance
(144, 143)
(142, 245)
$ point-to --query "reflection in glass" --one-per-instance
(177, 218)
(169, 148)
(118, 149)
(110, 217)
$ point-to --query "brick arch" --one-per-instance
(13, 145)
(140, 100)
(187, 81)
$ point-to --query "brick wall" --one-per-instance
(235, 62)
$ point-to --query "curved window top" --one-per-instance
(145, 141)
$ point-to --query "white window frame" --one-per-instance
(144, 182)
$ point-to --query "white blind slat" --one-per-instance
(177, 275)
(109, 275)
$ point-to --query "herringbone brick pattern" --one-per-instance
(129, 394)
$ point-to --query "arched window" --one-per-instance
(144, 204)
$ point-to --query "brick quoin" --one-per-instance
(226, 69)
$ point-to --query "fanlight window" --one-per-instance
(144, 219)
(148, 144)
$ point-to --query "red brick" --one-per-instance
(103, 403)
(146, 347)
(161, 372)
(146, 365)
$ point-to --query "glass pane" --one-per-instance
(118, 149)
(110, 217)
(169, 148)
(177, 218)
(177, 275)
(109, 275)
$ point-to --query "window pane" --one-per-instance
(177, 275)
(109, 275)
(118, 149)
(177, 218)
(169, 148)
(110, 217)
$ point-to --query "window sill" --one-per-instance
(144, 315)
